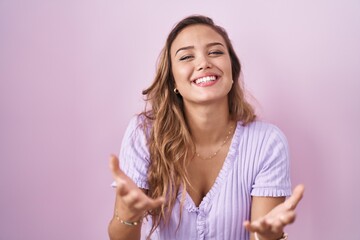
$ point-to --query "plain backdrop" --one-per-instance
(71, 76)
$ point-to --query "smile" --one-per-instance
(205, 79)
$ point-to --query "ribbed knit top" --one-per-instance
(257, 164)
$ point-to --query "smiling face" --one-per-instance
(201, 65)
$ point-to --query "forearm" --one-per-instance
(119, 231)
(131, 203)
(261, 206)
(124, 224)
(269, 225)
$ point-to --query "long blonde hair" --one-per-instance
(170, 142)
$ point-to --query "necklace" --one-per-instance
(218, 150)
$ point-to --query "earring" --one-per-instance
(176, 91)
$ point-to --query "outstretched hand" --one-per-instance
(133, 201)
(271, 225)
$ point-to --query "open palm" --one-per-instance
(132, 200)
(272, 224)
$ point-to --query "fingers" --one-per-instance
(122, 183)
(295, 198)
(264, 225)
(121, 187)
(155, 203)
(274, 222)
(131, 198)
(117, 173)
(248, 226)
(271, 228)
(256, 226)
(114, 166)
(138, 201)
(149, 203)
(287, 218)
(275, 225)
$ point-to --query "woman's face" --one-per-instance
(201, 65)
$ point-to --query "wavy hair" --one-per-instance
(170, 142)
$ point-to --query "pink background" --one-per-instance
(71, 75)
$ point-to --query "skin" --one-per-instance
(269, 221)
(131, 203)
(200, 51)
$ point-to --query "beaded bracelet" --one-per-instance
(132, 224)
(283, 237)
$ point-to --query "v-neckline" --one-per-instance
(189, 203)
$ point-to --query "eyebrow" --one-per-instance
(192, 47)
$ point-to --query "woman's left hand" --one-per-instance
(271, 226)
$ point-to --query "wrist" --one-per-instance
(284, 236)
(134, 221)
(128, 215)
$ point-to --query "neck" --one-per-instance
(208, 124)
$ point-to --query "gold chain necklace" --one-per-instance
(217, 151)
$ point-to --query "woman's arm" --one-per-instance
(130, 205)
(261, 206)
(269, 215)
(118, 230)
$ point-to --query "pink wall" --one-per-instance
(71, 75)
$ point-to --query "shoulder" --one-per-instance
(262, 129)
(137, 131)
(139, 124)
(261, 138)
(136, 121)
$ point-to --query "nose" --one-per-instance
(204, 63)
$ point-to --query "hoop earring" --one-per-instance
(176, 91)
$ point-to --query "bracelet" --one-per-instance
(135, 223)
(283, 237)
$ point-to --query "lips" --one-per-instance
(205, 79)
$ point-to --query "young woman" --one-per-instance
(198, 165)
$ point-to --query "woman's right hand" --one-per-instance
(132, 202)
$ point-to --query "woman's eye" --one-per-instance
(216, 53)
(186, 57)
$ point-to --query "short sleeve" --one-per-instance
(273, 170)
(134, 153)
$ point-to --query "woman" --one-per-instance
(198, 165)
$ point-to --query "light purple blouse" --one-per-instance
(257, 164)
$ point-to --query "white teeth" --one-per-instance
(205, 79)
